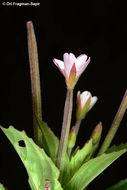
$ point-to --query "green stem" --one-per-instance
(115, 125)
(77, 126)
(35, 81)
(65, 129)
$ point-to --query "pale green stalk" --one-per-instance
(77, 126)
(35, 82)
(115, 125)
(65, 129)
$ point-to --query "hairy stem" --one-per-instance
(65, 129)
(35, 81)
(115, 125)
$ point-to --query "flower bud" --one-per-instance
(85, 102)
(96, 134)
(72, 138)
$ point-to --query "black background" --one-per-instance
(95, 27)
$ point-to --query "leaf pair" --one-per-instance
(80, 171)
(76, 161)
(90, 170)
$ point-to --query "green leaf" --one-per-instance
(122, 185)
(2, 187)
(38, 165)
(91, 169)
(50, 141)
(116, 148)
(76, 161)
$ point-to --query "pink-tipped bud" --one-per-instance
(85, 102)
(72, 138)
(96, 134)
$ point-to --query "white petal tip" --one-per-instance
(93, 101)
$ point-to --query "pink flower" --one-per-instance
(85, 102)
(72, 67)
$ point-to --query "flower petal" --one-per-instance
(82, 58)
(72, 57)
(93, 101)
(81, 64)
(84, 97)
(69, 60)
(60, 65)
